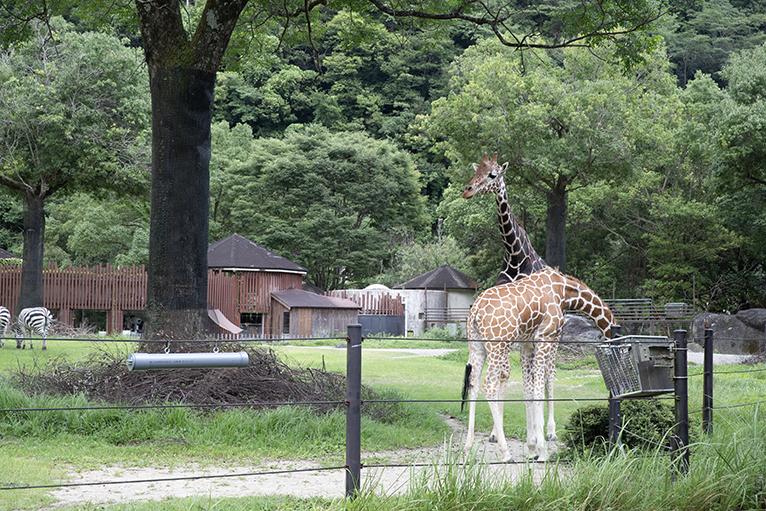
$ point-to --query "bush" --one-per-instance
(646, 424)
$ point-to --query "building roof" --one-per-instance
(239, 253)
(4, 254)
(299, 298)
(442, 277)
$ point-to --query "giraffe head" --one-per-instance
(488, 177)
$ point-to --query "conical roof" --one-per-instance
(239, 253)
(442, 277)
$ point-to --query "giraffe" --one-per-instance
(530, 309)
(520, 259)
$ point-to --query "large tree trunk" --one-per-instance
(32, 290)
(182, 106)
(556, 229)
(182, 75)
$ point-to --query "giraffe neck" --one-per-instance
(520, 259)
(578, 296)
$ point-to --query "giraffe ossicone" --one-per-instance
(529, 311)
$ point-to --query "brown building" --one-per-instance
(298, 313)
(242, 277)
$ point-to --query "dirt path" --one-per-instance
(297, 478)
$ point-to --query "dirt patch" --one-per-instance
(284, 477)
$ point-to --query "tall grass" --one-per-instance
(286, 431)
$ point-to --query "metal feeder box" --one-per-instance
(637, 366)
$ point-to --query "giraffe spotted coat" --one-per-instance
(530, 310)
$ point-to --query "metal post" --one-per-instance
(354, 409)
(680, 441)
(615, 414)
(707, 383)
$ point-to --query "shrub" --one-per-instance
(646, 423)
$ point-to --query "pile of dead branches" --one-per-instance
(267, 382)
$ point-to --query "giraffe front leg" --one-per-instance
(494, 390)
(526, 356)
(551, 426)
(534, 393)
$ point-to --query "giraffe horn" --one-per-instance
(485, 159)
(494, 157)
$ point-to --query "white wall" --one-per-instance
(415, 303)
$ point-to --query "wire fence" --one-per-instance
(353, 404)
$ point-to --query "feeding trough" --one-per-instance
(637, 366)
(142, 361)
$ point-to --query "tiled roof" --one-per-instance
(238, 252)
(441, 277)
(299, 298)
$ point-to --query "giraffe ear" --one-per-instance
(503, 167)
(475, 167)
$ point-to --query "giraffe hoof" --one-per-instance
(551, 438)
(492, 439)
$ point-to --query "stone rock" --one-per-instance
(731, 335)
(755, 318)
(579, 329)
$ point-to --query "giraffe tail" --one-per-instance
(466, 385)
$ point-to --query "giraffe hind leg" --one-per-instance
(476, 358)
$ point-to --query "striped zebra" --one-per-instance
(33, 319)
(5, 322)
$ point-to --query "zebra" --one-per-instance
(5, 322)
(33, 319)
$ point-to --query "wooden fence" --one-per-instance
(373, 303)
(116, 289)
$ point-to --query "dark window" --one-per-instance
(286, 323)
(251, 322)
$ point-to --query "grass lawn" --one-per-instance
(440, 378)
(37, 450)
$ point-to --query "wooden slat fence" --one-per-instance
(117, 289)
(374, 303)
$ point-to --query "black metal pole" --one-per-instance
(615, 413)
(354, 409)
(707, 383)
(680, 441)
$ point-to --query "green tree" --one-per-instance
(183, 61)
(231, 148)
(708, 33)
(325, 200)
(741, 123)
(74, 113)
(415, 257)
(562, 125)
(89, 231)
